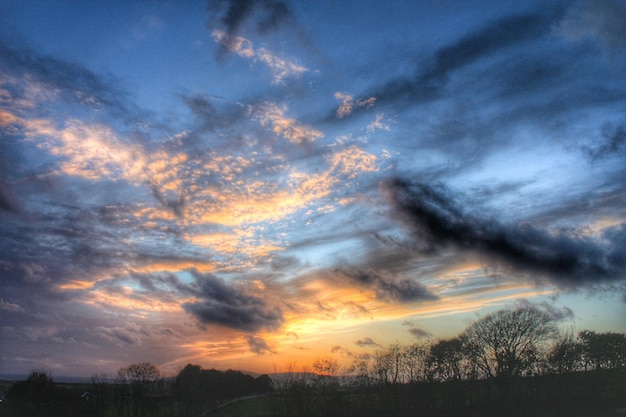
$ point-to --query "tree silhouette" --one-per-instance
(36, 396)
(565, 356)
(508, 343)
(447, 360)
(135, 383)
(602, 350)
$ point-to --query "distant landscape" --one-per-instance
(511, 362)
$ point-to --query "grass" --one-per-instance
(254, 407)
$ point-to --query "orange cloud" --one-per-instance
(243, 47)
(269, 114)
(348, 103)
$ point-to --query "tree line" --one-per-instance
(510, 362)
(504, 344)
(136, 390)
(510, 358)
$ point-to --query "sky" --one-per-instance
(253, 184)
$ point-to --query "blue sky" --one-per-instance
(251, 184)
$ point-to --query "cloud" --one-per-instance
(378, 124)
(270, 114)
(267, 15)
(366, 342)
(261, 17)
(9, 307)
(420, 333)
(214, 113)
(557, 314)
(602, 21)
(348, 104)
(8, 201)
(570, 259)
(428, 83)
(417, 332)
(341, 351)
(47, 76)
(280, 67)
(612, 143)
(258, 345)
(120, 335)
(387, 287)
(228, 306)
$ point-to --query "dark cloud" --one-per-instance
(263, 15)
(557, 314)
(75, 81)
(416, 331)
(358, 309)
(125, 336)
(612, 143)
(388, 288)
(603, 21)
(428, 83)
(503, 33)
(214, 113)
(175, 203)
(267, 15)
(341, 351)
(258, 345)
(420, 333)
(366, 342)
(227, 306)
(8, 201)
(568, 258)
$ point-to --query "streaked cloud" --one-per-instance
(348, 104)
(271, 115)
(281, 68)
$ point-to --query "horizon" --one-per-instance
(249, 185)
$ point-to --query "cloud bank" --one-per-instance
(567, 257)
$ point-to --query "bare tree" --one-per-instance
(361, 371)
(415, 362)
(388, 364)
(327, 384)
(294, 392)
(447, 359)
(509, 343)
(135, 382)
(327, 370)
(141, 373)
(565, 356)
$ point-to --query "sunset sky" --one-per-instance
(253, 184)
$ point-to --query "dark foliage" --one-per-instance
(39, 395)
(199, 390)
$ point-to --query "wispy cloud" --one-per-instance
(604, 22)
(270, 114)
(281, 68)
(567, 257)
(387, 287)
(349, 103)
